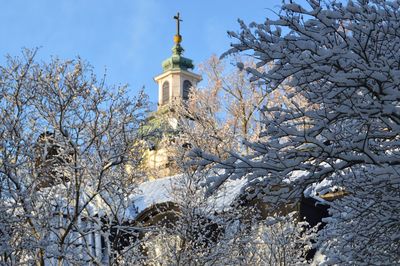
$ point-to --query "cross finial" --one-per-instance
(177, 37)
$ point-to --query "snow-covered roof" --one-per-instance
(162, 190)
(154, 192)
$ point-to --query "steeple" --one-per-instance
(174, 85)
(176, 80)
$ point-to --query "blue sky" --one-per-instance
(129, 38)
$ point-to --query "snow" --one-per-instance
(227, 193)
(162, 190)
(318, 259)
(154, 192)
(316, 189)
(151, 193)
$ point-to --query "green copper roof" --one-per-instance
(177, 61)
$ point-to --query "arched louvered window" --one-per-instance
(186, 89)
(165, 92)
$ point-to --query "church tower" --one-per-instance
(175, 81)
(174, 85)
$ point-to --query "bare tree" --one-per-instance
(65, 141)
(225, 111)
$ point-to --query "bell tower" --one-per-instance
(162, 129)
(175, 81)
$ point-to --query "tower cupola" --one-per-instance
(176, 80)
